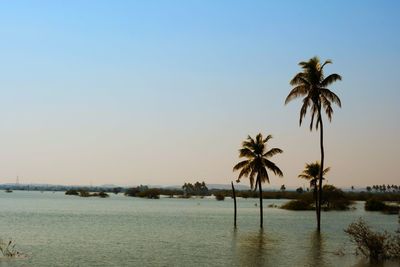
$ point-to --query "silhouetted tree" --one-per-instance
(199, 189)
(257, 163)
(299, 190)
(312, 85)
(311, 173)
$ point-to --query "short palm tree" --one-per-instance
(311, 173)
(257, 163)
(312, 85)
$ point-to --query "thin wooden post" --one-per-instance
(234, 201)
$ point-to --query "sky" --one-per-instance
(163, 92)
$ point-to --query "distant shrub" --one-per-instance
(391, 209)
(297, 205)
(101, 194)
(300, 190)
(150, 193)
(340, 204)
(132, 192)
(84, 193)
(374, 245)
(117, 190)
(374, 205)
(219, 196)
(334, 199)
(307, 197)
(184, 196)
(72, 192)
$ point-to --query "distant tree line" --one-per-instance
(196, 189)
(384, 188)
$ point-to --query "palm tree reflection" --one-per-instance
(252, 250)
(316, 257)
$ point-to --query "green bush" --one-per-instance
(72, 192)
(150, 193)
(101, 194)
(374, 205)
(390, 209)
(219, 196)
(374, 245)
(132, 192)
(334, 198)
(84, 193)
(297, 205)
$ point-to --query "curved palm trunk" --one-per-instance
(261, 202)
(320, 170)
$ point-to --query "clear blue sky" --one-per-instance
(163, 92)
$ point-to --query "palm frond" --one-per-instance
(249, 142)
(300, 79)
(251, 178)
(241, 165)
(331, 96)
(266, 139)
(327, 106)
(334, 77)
(328, 61)
(298, 91)
(304, 176)
(271, 166)
(245, 171)
(259, 139)
(326, 170)
(246, 152)
(263, 175)
(314, 111)
(303, 110)
(272, 152)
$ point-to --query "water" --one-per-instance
(53, 229)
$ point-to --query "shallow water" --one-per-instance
(53, 229)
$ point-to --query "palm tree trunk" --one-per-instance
(316, 199)
(321, 169)
(261, 202)
(234, 201)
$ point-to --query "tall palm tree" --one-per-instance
(311, 173)
(256, 164)
(312, 85)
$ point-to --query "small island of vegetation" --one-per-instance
(85, 193)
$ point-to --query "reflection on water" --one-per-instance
(316, 253)
(366, 263)
(253, 249)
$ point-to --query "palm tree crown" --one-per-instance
(312, 84)
(257, 160)
(311, 173)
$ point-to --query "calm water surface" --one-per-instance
(53, 229)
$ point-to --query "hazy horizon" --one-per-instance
(164, 92)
